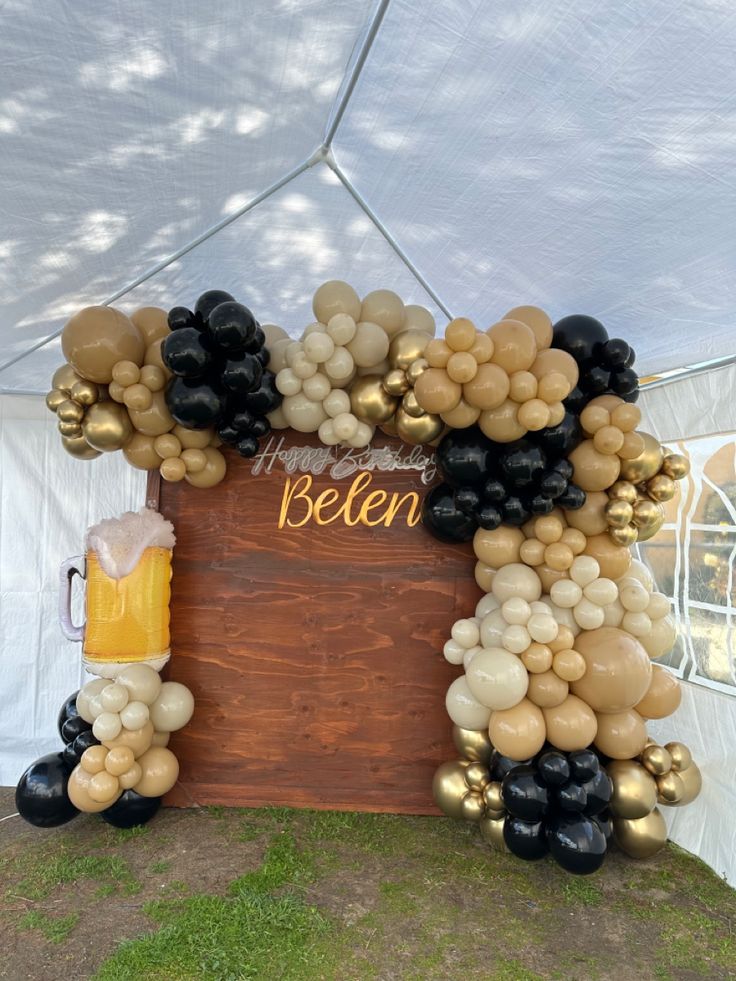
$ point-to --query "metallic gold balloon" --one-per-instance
(676, 466)
(79, 447)
(472, 806)
(648, 518)
(476, 776)
(406, 348)
(70, 429)
(681, 756)
(623, 490)
(69, 411)
(624, 536)
(619, 513)
(692, 782)
(417, 431)
(492, 796)
(492, 831)
(642, 837)
(395, 383)
(55, 398)
(670, 788)
(107, 426)
(370, 401)
(85, 392)
(661, 488)
(647, 464)
(389, 428)
(415, 369)
(472, 744)
(634, 790)
(657, 760)
(410, 405)
(64, 377)
(449, 787)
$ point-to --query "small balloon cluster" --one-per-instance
(558, 658)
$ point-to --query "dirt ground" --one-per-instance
(226, 894)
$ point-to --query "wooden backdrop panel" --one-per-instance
(314, 653)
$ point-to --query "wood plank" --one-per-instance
(314, 653)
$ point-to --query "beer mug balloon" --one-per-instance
(127, 569)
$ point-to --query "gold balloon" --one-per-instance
(670, 788)
(642, 837)
(692, 782)
(676, 466)
(472, 806)
(476, 776)
(85, 392)
(661, 488)
(417, 431)
(492, 831)
(624, 536)
(648, 518)
(634, 790)
(69, 411)
(680, 754)
(370, 401)
(406, 347)
(107, 426)
(79, 447)
(646, 465)
(55, 398)
(656, 759)
(449, 787)
(410, 405)
(492, 796)
(64, 378)
(619, 513)
(415, 369)
(624, 490)
(395, 383)
(70, 429)
(472, 744)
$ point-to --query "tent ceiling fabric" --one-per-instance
(570, 155)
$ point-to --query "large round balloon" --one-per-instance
(525, 839)
(524, 793)
(96, 338)
(193, 403)
(465, 457)
(618, 670)
(443, 518)
(130, 810)
(576, 842)
(581, 336)
(41, 794)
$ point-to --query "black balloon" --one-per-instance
(248, 446)
(554, 768)
(598, 791)
(265, 398)
(232, 326)
(584, 764)
(187, 352)
(73, 727)
(67, 711)
(522, 463)
(193, 403)
(41, 797)
(242, 373)
(131, 810)
(524, 793)
(576, 842)
(561, 440)
(443, 518)
(73, 751)
(525, 839)
(581, 336)
(571, 796)
(465, 457)
(180, 317)
(208, 301)
(501, 765)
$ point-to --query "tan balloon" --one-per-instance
(621, 735)
(462, 367)
(79, 447)
(593, 471)
(571, 724)
(385, 308)
(139, 740)
(537, 659)
(518, 732)
(522, 386)
(502, 424)
(107, 426)
(590, 519)
(488, 389)
(546, 690)
(152, 323)
(549, 576)
(449, 788)
(618, 670)
(130, 778)
(536, 319)
(436, 392)
(663, 696)
(614, 560)
(97, 338)
(370, 402)
(193, 439)
(139, 452)
(161, 739)
(484, 576)
(119, 760)
(646, 465)
(78, 792)
(213, 471)
(156, 419)
(462, 416)
(634, 789)
(498, 547)
(437, 353)
(661, 638)
(643, 837)
(554, 360)
(103, 787)
(335, 296)
(460, 334)
(482, 349)
(569, 665)
(160, 769)
(93, 759)
(472, 744)
(514, 345)
(154, 357)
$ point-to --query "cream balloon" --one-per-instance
(173, 707)
(497, 678)
(91, 690)
(464, 708)
(142, 682)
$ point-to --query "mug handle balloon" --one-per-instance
(75, 566)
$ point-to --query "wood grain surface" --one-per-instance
(314, 653)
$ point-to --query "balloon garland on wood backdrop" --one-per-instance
(543, 468)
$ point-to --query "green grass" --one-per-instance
(158, 868)
(62, 869)
(56, 929)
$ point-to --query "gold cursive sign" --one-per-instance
(377, 507)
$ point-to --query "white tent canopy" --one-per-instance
(469, 155)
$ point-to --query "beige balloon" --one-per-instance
(140, 453)
(370, 345)
(614, 560)
(488, 389)
(97, 338)
(173, 708)
(385, 308)
(518, 732)
(501, 424)
(621, 735)
(536, 319)
(498, 547)
(436, 392)
(160, 769)
(497, 678)
(661, 638)
(193, 439)
(139, 740)
(514, 345)
(464, 708)
(143, 683)
(571, 724)
(213, 471)
(152, 323)
(79, 795)
(419, 318)
(335, 296)
(554, 360)
(156, 419)
(663, 695)
(618, 670)
(547, 689)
